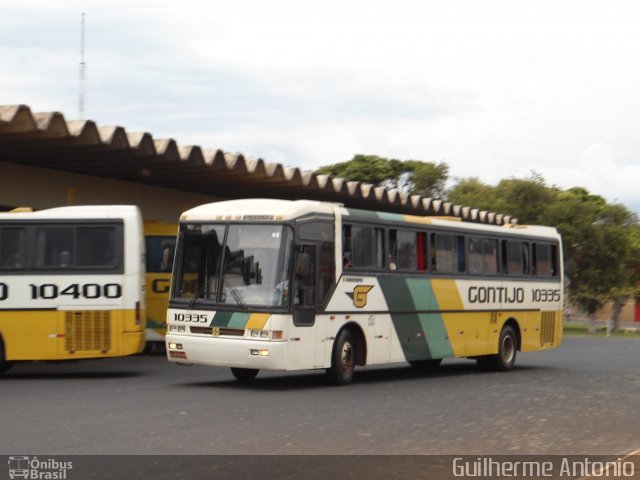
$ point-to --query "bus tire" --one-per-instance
(4, 365)
(430, 364)
(244, 374)
(505, 359)
(343, 359)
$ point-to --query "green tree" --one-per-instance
(526, 199)
(600, 249)
(428, 179)
(472, 192)
(411, 176)
(366, 168)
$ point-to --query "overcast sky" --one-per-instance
(496, 89)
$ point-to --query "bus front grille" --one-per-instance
(548, 327)
(234, 332)
(88, 331)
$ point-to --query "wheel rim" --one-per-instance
(346, 358)
(508, 349)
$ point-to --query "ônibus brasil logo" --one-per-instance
(38, 469)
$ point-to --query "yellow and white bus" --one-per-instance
(292, 285)
(160, 242)
(71, 284)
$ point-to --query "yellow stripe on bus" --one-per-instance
(257, 321)
(448, 299)
(447, 295)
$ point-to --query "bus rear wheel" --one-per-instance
(343, 359)
(505, 359)
(244, 374)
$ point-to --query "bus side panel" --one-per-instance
(410, 331)
(541, 330)
(157, 288)
(29, 334)
(69, 334)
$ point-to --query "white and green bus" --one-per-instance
(294, 285)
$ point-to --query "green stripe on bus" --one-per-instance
(239, 320)
(436, 333)
(432, 324)
(407, 325)
(421, 292)
(221, 319)
(368, 215)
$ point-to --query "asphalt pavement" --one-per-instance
(583, 398)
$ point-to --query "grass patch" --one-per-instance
(573, 329)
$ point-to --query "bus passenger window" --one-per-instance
(54, 247)
(407, 250)
(483, 256)
(393, 249)
(542, 260)
(12, 248)
(367, 247)
(516, 255)
(449, 253)
(96, 247)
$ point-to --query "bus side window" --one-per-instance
(483, 256)
(393, 249)
(367, 248)
(516, 259)
(347, 261)
(542, 260)
(449, 253)
(54, 247)
(305, 273)
(407, 247)
(12, 248)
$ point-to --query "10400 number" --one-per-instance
(49, 291)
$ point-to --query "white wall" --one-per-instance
(39, 188)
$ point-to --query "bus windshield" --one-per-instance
(233, 265)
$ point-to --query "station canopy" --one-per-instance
(48, 140)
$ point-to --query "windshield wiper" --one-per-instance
(237, 297)
(199, 292)
(197, 296)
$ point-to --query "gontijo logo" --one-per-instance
(33, 468)
(359, 295)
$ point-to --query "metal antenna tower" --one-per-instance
(83, 70)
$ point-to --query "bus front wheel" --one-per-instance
(244, 374)
(343, 359)
(505, 359)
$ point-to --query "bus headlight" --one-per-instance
(267, 334)
(263, 352)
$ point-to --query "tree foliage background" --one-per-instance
(601, 240)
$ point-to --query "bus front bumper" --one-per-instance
(226, 352)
